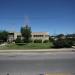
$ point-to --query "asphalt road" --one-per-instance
(37, 63)
(37, 56)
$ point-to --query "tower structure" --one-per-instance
(26, 22)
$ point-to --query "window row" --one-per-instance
(40, 35)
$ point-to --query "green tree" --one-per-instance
(60, 36)
(18, 40)
(70, 35)
(62, 43)
(26, 33)
(3, 36)
(51, 39)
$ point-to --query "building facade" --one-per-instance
(40, 35)
(34, 36)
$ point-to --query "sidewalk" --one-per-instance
(38, 50)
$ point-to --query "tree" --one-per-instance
(26, 33)
(62, 43)
(3, 36)
(51, 39)
(18, 40)
(60, 36)
(70, 35)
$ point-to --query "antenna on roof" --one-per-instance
(26, 21)
(12, 28)
(54, 34)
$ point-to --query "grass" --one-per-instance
(28, 46)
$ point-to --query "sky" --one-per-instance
(53, 16)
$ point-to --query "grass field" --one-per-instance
(28, 46)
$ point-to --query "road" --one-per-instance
(37, 63)
(37, 56)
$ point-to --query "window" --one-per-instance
(38, 35)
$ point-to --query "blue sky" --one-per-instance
(53, 16)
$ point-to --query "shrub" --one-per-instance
(30, 41)
(18, 40)
(38, 41)
(27, 41)
(20, 44)
(71, 40)
(62, 43)
(58, 44)
(45, 41)
(51, 39)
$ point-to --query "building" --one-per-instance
(40, 35)
(34, 36)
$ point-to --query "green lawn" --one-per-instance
(28, 46)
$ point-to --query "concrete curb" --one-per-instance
(38, 50)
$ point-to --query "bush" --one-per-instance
(30, 41)
(20, 44)
(45, 41)
(71, 40)
(51, 39)
(27, 41)
(38, 41)
(58, 44)
(62, 43)
(18, 40)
